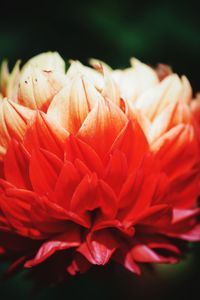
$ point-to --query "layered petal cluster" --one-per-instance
(96, 164)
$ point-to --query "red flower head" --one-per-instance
(96, 165)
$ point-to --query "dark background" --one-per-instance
(153, 31)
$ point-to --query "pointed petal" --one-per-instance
(191, 235)
(91, 195)
(186, 90)
(77, 68)
(178, 151)
(142, 253)
(84, 197)
(70, 239)
(12, 82)
(45, 133)
(102, 126)
(180, 215)
(135, 80)
(4, 77)
(132, 142)
(16, 209)
(66, 184)
(111, 90)
(125, 258)
(116, 171)
(146, 76)
(44, 170)
(48, 61)
(77, 149)
(170, 117)
(153, 101)
(16, 166)
(99, 248)
(13, 122)
(158, 216)
(72, 104)
(37, 87)
(56, 217)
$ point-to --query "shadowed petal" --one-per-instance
(70, 239)
(142, 253)
(99, 247)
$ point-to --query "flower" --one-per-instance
(96, 164)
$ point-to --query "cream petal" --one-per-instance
(96, 63)
(72, 104)
(94, 76)
(127, 82)
(135, 80)
(12, 82)
(146, 75)
(171, 116)
(13, 122)
(4, 76)
(186, 90)
(153, 101)
(48, 61)
(176, 136)
(133, 114)
(110, 89)
(37, 88)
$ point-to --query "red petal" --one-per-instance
(44, 170)
(125, 258)
(99, 247)
(116, 171)
(56, 217)
(157, 216)
(66, 184)
(16, 208)
(69, 239)
(102, 126)
(192, 235)
(132, 142)
(77, 149)
(180, 215)
(157, 242)
(142, 253)
(134, 198)
(45, 133)
(92, 194)
(16, 165)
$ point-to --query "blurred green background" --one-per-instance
(153, 31)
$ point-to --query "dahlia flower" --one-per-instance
(96, 164)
